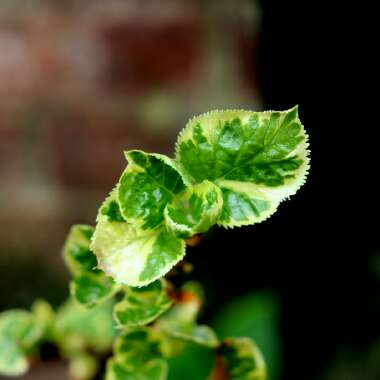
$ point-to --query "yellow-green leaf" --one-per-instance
(141, 306)
(258, 159)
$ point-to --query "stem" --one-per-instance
(194, 240)
(220, 371)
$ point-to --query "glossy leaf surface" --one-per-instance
(137, 356)
(195, 210)
(141, 306)
(145, 188)
(89, 286)
(257, 159)
(134, 256)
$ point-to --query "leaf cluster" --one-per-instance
(231, 168)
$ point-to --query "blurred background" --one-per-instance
(81, 81)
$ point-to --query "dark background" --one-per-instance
(318, 249)
(318, 253)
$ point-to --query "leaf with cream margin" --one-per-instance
(137, 356)
(134, 256)
(76, 251)
(93, 288)
(242, 359)
(138, 346)
(195, 210)
(89, 286)
(258, 159)
(141, 306)
(147, 185)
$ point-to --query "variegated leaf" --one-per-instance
(243, 359)
(92, 288)
(147, 185)
(20, 331)
(194, 210)
(137, 356)
(133, 256)
(258, 159)
(141, 306)
(89, 286)
(76, 251)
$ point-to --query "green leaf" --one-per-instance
(133, 256)
(78, 329)
(194, 210)
(141, 306)
(154, 370)
(91, 288)
(22, 326)
(76, 251)
(20, 331)
(192, 363)
(137, 356)
(111, 210)
(137, 347)
(180, 321)
(145, 188)
(258, 159)
(243, 359)
(13, 361)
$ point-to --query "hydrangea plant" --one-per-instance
(230, 169)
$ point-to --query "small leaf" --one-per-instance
(79, 329)
(195, 210)
(243, 359)
(141, 306)
(76, 251)
(91, 288)
(155, 370)
(13, 361)
(133, 256)
(22, 326)
(258, 159)
(137, 347)
(145, 188)
(20, 332)
(137, 356)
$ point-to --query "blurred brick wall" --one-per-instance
(82, 81)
